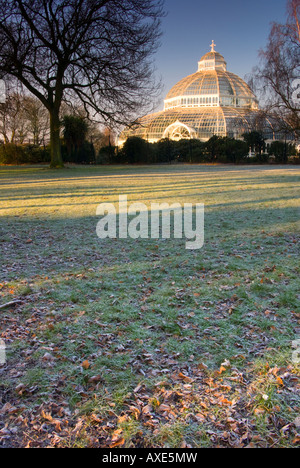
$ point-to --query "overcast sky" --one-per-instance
(238, 27)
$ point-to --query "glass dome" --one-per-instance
(211, 86)
(210, 102)
(200, 123)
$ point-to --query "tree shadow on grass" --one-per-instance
(32, 247)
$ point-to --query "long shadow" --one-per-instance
(175, 190)
(130, 189)
(62, 245)
(192, 196)
(136, 171)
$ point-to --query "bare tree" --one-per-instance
(277, 76)
(13, 119)
(37, 120)
(98, 52)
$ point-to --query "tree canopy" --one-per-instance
(96, 52)
(279, 71)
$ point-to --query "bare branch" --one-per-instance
(96, 51)
(280, 67)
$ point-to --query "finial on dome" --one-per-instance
(213, 45)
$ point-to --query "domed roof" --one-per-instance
(211, 82)
(212, 85)
(212, 101)
(202, 123)
(213, 55)
(212, 60)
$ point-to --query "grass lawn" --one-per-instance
(142, 343)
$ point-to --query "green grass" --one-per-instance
(144, 312)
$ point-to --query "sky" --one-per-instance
(239, 28)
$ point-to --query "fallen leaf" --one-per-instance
(164, 408)
(119, 442)
(184, 377)
(46, 416)
(280, 381)
(85, 365)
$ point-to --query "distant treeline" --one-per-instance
(138, 151)
(216, 150)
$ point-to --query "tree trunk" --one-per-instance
(56, 156)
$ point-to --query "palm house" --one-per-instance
(212, 101)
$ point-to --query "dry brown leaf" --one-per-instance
(200, 417)
(280, 381)
(202, 366)
(222, 369)
(184, 377)
(118, 443)
(135, 411)
(95, 379)
(46, 416)
(163, 408)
